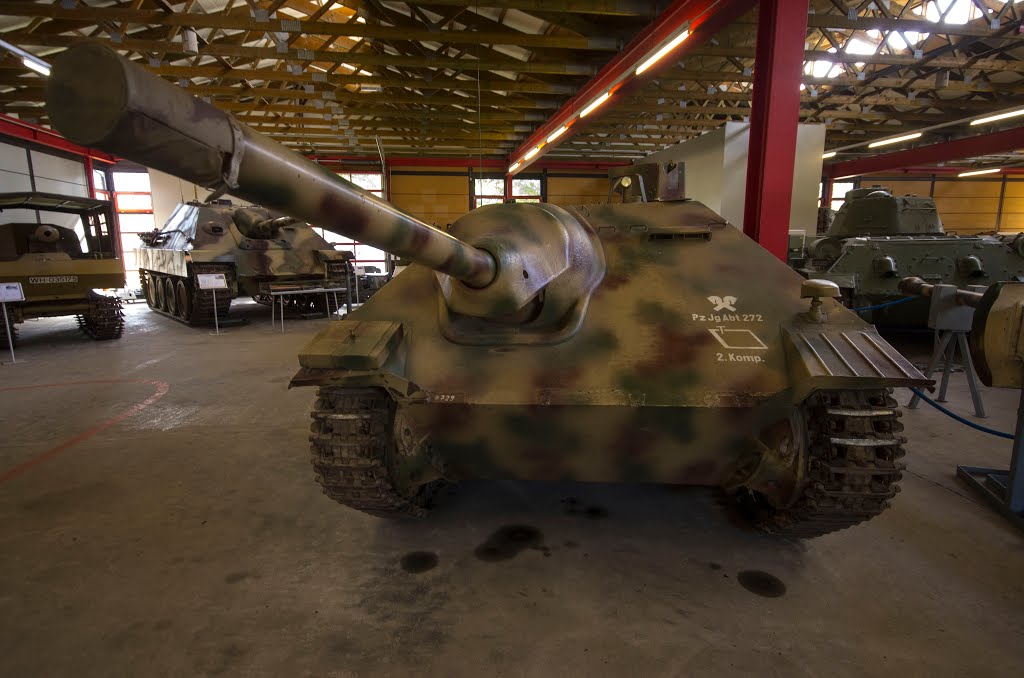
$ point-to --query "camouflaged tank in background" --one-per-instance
(61, 271)
(254, 249)
(644, 342)
(876, 239)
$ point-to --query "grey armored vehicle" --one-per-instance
(258, 251)
(877, 238)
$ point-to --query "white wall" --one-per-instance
(716, 171)
(168, 191)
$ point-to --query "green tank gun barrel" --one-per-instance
(916, 287)
(98, 99)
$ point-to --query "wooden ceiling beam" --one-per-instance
(22, 39)
(298, 27)
(637, 8)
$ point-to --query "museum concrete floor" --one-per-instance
(158, 517)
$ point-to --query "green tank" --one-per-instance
(62, 271)
(632, 342)
(257, 251)
(877, 238)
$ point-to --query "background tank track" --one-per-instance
(352, 446)
(853, 465)
(199, 308)
(105, 321)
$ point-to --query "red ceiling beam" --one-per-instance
(774, 120)
(24, 131)
(706, 17)
(958, 149)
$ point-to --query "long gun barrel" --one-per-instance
(916, 287)
(97, 99)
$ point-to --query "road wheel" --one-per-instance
(184, 299)
(170, 296)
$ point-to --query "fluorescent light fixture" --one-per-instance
(894, 140)
(848, 176)
(515, 166)
(37, 66)
(1001, 116)
(657, 56)
(594, 104)
(974, 173)
(557, 133)
(532, 153)
(27, 58)
(830, 154)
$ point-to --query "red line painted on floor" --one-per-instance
(161, 390)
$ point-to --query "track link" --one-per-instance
(105, 321)
(352, 445)
(853, 466)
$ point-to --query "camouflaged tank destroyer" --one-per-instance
(257, 251)
(877, 238)
(634, 342)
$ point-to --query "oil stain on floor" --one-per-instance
(762, 583)
(418, 562)
(510, 541)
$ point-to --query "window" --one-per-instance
(488, 191)
(526, 190)
(491, 190)
(368, 181)
(365, 255)
(839, 190)
(99, 185)
(133, 201)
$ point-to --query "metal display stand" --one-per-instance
(10, 291)
(280, 294)
(213, 282)
(996, 346)
(951, 321)
(1003, 488)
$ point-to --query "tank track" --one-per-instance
(853, 464)
(352, 446)
(201, 301)
(105, 321)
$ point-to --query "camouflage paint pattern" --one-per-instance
(877, 238)
(635, 341)
(288, 252)
(693, 342)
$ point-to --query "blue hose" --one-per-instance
(940, 408)
(888, 303)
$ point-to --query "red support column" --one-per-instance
(778, 67)
(89, 186)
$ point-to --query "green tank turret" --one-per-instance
(633, 342)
